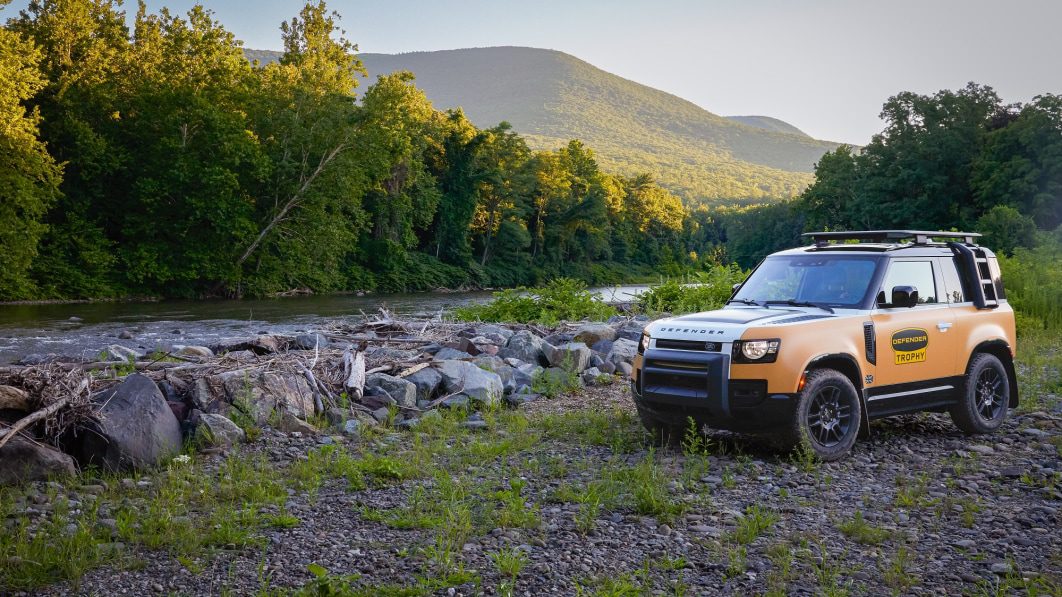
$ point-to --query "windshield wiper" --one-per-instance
(744, 301)
(793, 303)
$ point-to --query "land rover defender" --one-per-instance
(819, 340)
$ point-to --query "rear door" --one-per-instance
(914, 359)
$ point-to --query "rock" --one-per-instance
(135, 430)
(602, 346)
(465, 378)
(196, 351)
(624, 369)
(263, 344)
(607, 367)
(260, 393)
(337, 417)
(1001, 568)
(426, 380)
(12, 398)
(474, 425)
(217, 431)
(289, 423)
(38, 359)
(593, 333)
(520, 377)
(375, 401)
(982, 449)
(352, 427)
(525, 346)
(489, 363)
(381, 414)
(458, 401)
(632, 330)
(596, 360)
(623, 351)
(311, 341)
(22, 461)
(446, 354)
(590, 376)
(125, 335)
(117, 353)
(487, 331)
(522, 397)
(402, 391)
(573, 356)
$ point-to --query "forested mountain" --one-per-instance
(769, 123)
(550, 97)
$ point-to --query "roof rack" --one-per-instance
(920, 237)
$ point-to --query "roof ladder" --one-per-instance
(977, 270)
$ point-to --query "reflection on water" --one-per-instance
(81, 330)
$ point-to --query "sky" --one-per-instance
(825, 66)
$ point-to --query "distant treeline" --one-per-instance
(156, 160)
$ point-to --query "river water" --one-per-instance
(81, 330)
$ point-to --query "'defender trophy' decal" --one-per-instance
(909, 345)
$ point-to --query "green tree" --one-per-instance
(29, 177)
(1005, 229)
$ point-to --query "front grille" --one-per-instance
(700, 345)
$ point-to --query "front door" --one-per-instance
(915, 362)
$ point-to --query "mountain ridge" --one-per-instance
(550, 97)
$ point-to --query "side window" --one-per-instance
(912, 273)
(952, 291)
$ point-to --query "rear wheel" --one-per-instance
(982, 408)
(828, 415)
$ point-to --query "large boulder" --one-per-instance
(311, 341)
(426, 380)
(462, 377)
(217, 431)
(492, 332)
(593, 333)
(117, 353)
(135, 428)
(402, 391)
(446, 354)
(623, 351)
(527, 347)
(12, 398)
(632, 330)
(22, 460)
(258, 393)
(573, 356)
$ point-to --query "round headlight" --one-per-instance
(754, 349)
(645, 342)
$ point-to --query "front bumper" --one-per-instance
(676, 384)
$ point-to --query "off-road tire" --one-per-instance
(665, 432)
(827, 417)
(985, 397)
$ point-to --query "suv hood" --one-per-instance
(726, 325)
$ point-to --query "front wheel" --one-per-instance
(828, 415)
(664, 431)
(982, 407)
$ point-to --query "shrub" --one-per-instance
(1033, 280)
(559, 300)
(706, 291)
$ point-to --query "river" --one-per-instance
(81, 330)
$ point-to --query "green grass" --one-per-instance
(756, 521)
(562, 299)
(859, 530)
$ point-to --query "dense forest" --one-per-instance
(156, 160)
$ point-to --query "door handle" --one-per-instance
(944, 326)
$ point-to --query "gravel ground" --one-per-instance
(935, 512)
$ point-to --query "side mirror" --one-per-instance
(734, 288)
(904, 296)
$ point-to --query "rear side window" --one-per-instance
(953, 291)
(912, 273)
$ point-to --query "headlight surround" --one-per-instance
(644, 344)
(756, 351)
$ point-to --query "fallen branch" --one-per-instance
(44, 413)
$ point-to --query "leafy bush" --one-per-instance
(706, 291)
(562, 299)
(1033, 281)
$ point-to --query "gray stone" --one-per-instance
(375, 401)
(632, 330)
(260, 393)
(217, 431)
(116, 353)
(521, 398)
(352, 427)
(475, 425)
(590, 376)
(602, 346)
(623, 351)
(624, 369)
(22, 461)
(311, 341)
(125, 335)
(465, 378)
(196, 351)
(593, 333)
(135, 429)
(487, 330)
(402, 391)
(573, 356)
(289, 423)
(426, 380)
(596, 360)
(525, 346)
(458, 401)
(607, 367)
(446, 353)
(381, 414)
(519, 378)
(337, 417)
(489, 362)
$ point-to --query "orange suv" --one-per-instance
(821, 339)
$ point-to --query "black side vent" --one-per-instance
(689, 345)
(802, 318)
(870, 339)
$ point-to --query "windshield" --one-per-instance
(830, 280)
